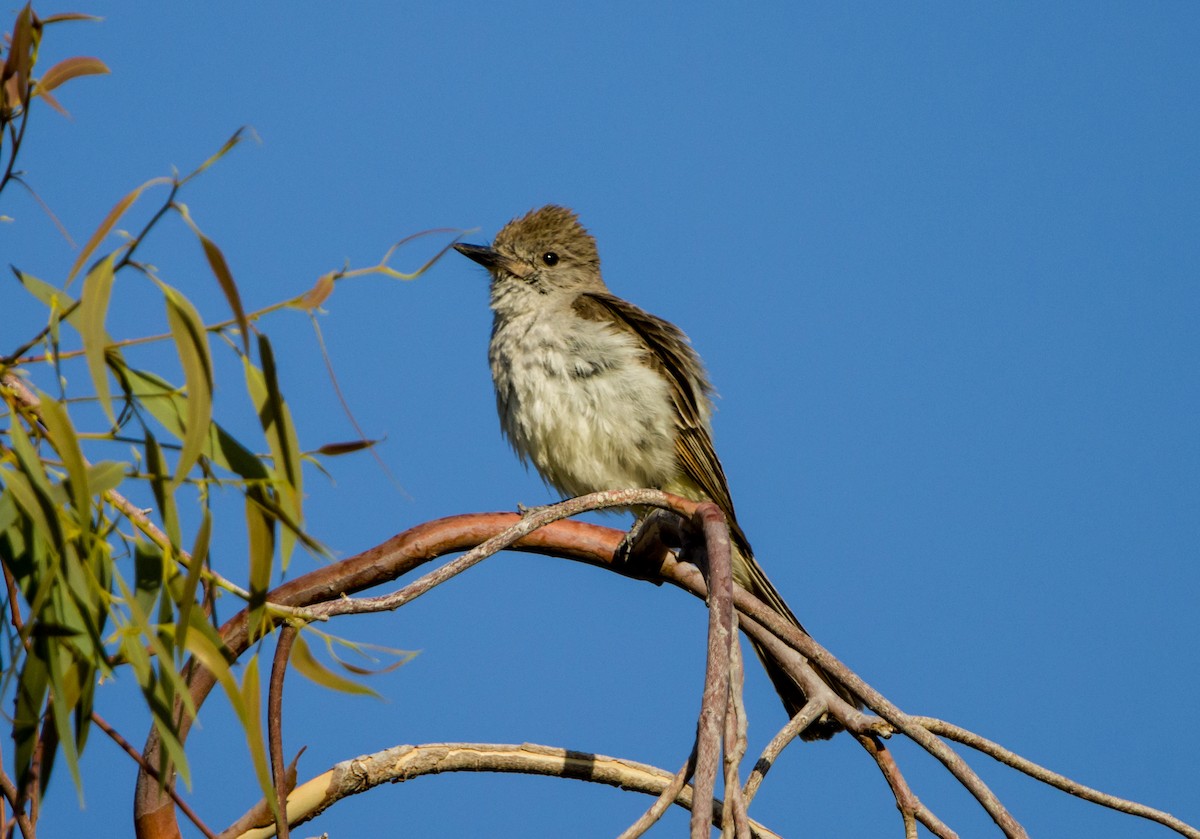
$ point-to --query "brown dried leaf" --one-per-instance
(70, 68)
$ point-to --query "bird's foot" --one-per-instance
(647, 544)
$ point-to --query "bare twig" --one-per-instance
(128, 748)
(666, 798)
(910, 807)
(812, 709)
(20, 817)
(1054, 779)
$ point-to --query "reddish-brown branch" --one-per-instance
(736, 743)
(283, 649)
(20, 818)
(154, 816)
(128, 748)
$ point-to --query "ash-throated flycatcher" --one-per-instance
(602, 395)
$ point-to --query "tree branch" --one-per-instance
(1046, 776)
(403, 763)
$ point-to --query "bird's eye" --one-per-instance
(550, 258)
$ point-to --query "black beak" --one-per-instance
(486, 257)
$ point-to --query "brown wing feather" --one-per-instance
(668, 349)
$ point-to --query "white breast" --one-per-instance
(580, 404)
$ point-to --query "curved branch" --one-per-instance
(403, 763)
(154, 816)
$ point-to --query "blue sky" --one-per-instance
(942, 263)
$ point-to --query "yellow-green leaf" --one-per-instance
(187, 597)
(307, 665)
(64, 16)
(106, 475)
(238, 136)
(252, 723)
(191, 342)
(97, 291)
(220, 269)
(167, 405)
(66, 443)
(280, 432)
(260, 530)
(52, 296)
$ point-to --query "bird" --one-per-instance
(599, 394)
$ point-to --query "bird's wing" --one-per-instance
(669, 351)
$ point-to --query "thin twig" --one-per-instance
(128, 748)
(912, 810)
(1054, 779)
(20, 817)
(665, 799)
(812, 709)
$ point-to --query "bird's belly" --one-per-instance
(590, 417)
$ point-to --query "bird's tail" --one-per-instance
(750, 575)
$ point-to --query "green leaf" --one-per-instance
(164, 490)
(106, 475)
(220, 269)
(33, 491)
(238, 136)
(60, 713)
(53, 297)
(97, 291)
(276, 421)
(148, 574)
(251, 720)
(260, 529)
(62, 437)
(191, 342)
(187, 598)
(32, 687)
(167, 405)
